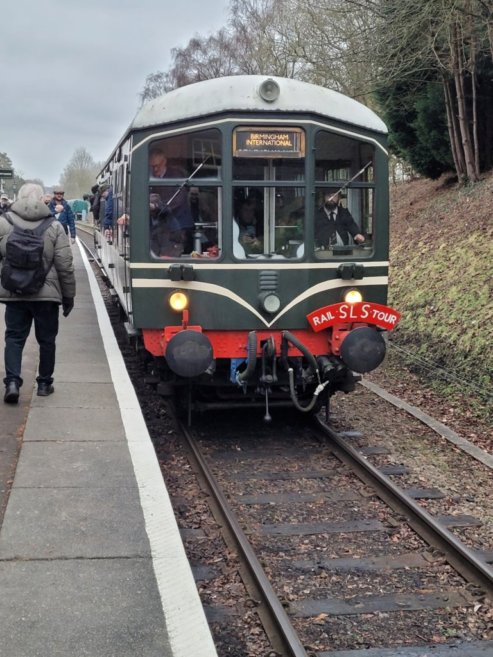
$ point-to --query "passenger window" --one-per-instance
(184, 202)
(185, 221)
(196, 155)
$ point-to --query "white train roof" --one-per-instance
(241, 93)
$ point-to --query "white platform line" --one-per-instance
(185, 621)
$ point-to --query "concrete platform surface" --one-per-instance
(91, 559)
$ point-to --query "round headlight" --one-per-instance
(270, 302)
(178, 301)
(353, 296)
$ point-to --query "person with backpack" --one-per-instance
(36, 277)
(63, 212)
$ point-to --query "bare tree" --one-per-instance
(267, 37)
(155, 85)
(80, 174)
(313, 40)
(460, 41)
(356, 47)
(202, 59)
(443, 40)
(263, 37)
(316, 41)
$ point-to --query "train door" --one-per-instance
(125, 237)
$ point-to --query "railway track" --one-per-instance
(472, 564)
(395, 563)
(336, 559)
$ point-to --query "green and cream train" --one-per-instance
(248, 240)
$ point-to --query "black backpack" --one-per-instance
(22, 268)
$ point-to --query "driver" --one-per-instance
(334, 224)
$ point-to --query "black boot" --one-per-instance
(45, 389)
(11, 393)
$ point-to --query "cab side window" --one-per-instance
(345, 195)
(185, 195)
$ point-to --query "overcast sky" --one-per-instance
(71, 71)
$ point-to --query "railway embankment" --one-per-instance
(441, 279)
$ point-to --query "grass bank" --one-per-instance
(441, 279)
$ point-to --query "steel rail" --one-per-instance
(291, 643)
(459, 556)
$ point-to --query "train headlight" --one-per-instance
(270, 302)
(353, 296)
(178, 301)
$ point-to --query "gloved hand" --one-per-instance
(67, 305)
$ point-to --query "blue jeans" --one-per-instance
(19, 316)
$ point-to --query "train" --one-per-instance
(248, 242)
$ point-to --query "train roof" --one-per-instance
(245, 93)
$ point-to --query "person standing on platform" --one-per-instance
(4, 203)
(62, 211)
(95, 202)
(86, 207)
(28, 212)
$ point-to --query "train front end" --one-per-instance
(258, 228)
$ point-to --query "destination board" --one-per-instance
(268, 142)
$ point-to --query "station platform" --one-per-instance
(91, 559)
